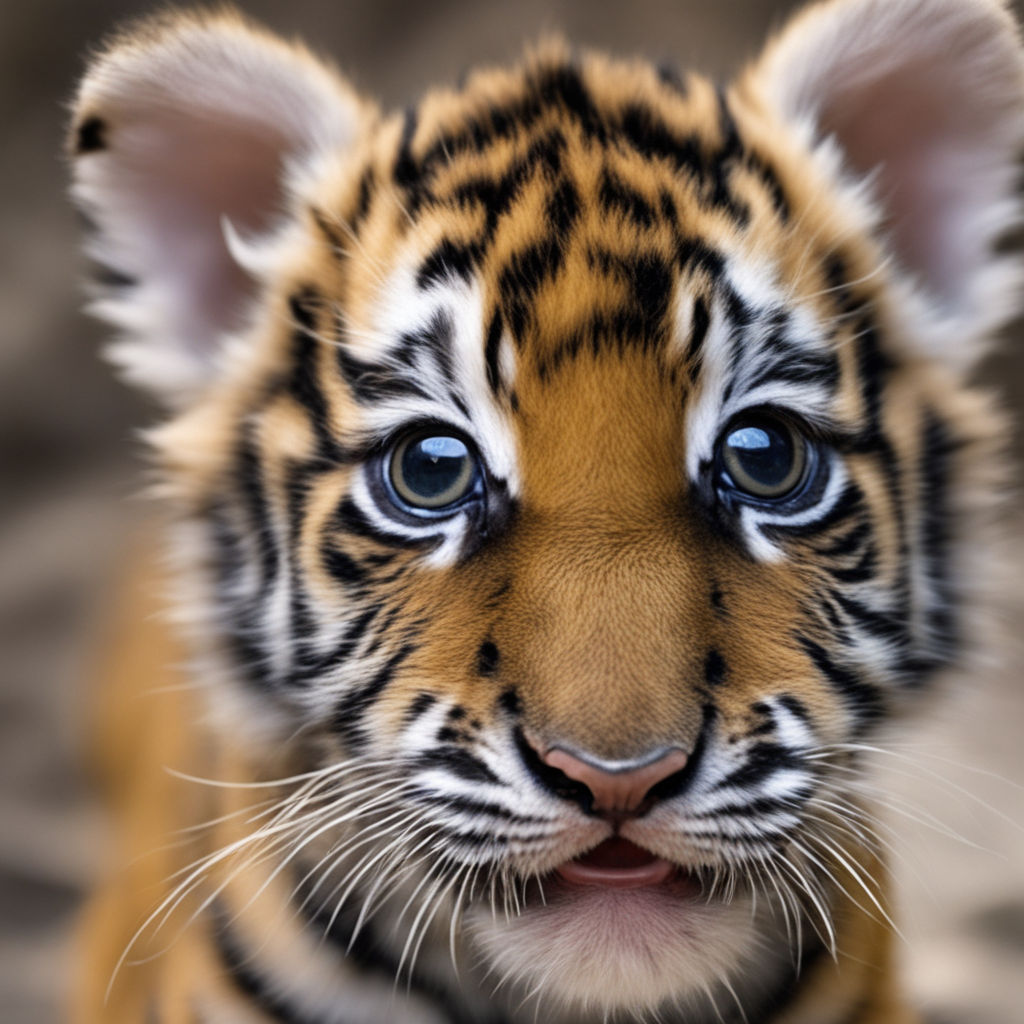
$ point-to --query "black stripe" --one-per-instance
(893, 627)
(771, 181)
(788, 990)
(848, 505)
(719, 169)
(862, 698)
(763, 760)
(241, 623)
(563, 209)
(304, 384)
(862, 571)
(553, 86)
(448, 259)
(758, 806)
(350, 519)
(349, 712)
(249, 474)
(474, 806)
(331, 233)
(363, 199)
(370, 382)
(369, 952)
(91, 136)
(422, 703)
(563, 86)
(654, 140)
(696, 254)
(342, 567)
(406, 173)
(436, 338)
(937, 450)
(618, 197)
(698, 333)
(249, 981)
(734, 151)
(461, 763)
(522, 277)
(795, 706)
(496, 195)
(797, 367)
(846, 543)
(491, 351)
(312, 667)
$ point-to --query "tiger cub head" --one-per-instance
(580, 465)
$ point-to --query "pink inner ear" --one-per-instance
(181, 178)
(930, 149)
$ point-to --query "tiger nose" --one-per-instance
(618, 787)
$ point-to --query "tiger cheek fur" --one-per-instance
(571, 476)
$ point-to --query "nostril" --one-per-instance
(551, 778)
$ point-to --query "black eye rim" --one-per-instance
(798, 430)
(474, 493)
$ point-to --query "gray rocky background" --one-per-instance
(69, 464)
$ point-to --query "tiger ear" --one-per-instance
(925, 101)
(189, 133)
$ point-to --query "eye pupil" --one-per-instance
(432, 471)
(764, 457)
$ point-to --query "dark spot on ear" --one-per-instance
(91, 136)
(110, 277)
(715, 669)
(509, 701)
(487, 658)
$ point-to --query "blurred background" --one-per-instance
(69, 465)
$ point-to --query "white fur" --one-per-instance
(404, 308)
(586, 951)
(202, 120)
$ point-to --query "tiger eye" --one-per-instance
(764, 456)
(432, 471)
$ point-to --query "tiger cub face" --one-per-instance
(581, 461)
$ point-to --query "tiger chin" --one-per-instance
(564, 483)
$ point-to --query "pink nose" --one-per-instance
(616, 789)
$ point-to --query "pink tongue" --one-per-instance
(618, 864)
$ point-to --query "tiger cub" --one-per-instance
(564, 480)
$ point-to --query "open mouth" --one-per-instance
(617, 864)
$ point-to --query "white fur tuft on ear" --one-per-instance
(182, 125)
(925, 100)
